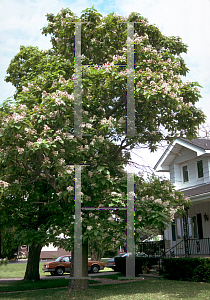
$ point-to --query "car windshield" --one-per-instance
(57, 259)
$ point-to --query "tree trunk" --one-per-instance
(0, 242)
(80, 284)
(32, 269)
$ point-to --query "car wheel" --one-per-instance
(52, 273)
(59, 271)
(95, 269)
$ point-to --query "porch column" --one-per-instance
(185, 224)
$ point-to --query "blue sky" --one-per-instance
(21, 21)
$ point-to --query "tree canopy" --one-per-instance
(39, 148)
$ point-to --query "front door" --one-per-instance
(200, 228)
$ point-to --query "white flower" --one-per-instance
(42, 117)
(46, 160)
(61, 161)
(20, 150)
(29, 144)
(88, 125)
(46, 128)
(58, 138)
(22, 106)
(68, 15)
(159, 201)
(103, 121)
(49, 140)
(25, 89)
(89, 227)
(70, 188)
(4, 183)
(166, 203)
(96, 217)
(58, 101)
(139, 218)
(39, 141)
(111, 219)
(113, 193)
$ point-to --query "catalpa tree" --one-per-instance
(40, 150)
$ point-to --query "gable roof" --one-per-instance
(199, 146)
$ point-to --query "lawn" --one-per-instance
(142, 290)
(22, 285)
(17, 270)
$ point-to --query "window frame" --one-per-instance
(182, 173)
(199, 178)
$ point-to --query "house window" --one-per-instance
(173, 228)
(178, 229)
(200, 168)
(195, 230)
(185, 174)
(189, 228)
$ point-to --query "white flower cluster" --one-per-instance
(59, 102)
(107, 66)
(49, 140)
(20, 150)
(139, 39)
(159, 201)
(16, 117)
(70, 188)
(62, 80)
(22, 106)
(46, 161)
(25, 89)
(103, 121)
(46, 128)
(18, 136)
(118, 57)
(37, 108)
(42, 117)
(68, 136)
(30, 131)
(172, 213)
(4, 183)
(29, 144)
(61, 161)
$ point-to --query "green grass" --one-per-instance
(17, 270)
(142, 290)
(22, 285)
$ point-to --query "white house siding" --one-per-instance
(201, 208)
(176, 170)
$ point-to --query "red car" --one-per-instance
(63, 263)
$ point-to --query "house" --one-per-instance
(188, 162)
(47, 253)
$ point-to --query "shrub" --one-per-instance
(188, 269)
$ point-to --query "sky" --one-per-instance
(21, 22)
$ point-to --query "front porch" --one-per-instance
(190, 247)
